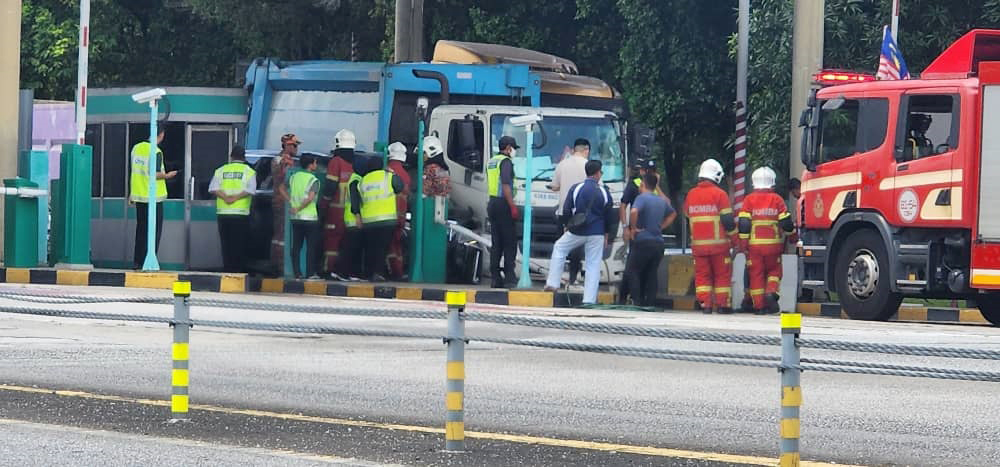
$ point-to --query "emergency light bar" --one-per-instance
(832, 77)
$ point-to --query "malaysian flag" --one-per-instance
(890, 61)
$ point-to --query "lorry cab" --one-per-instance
(898, 184)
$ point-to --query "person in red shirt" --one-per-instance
(338, 172)
(713, 231)
(764, 222)
(397, 157)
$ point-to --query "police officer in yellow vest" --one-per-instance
(373, 202)
(234, 185)
(502, 212)
(303, 191)
(139, 194)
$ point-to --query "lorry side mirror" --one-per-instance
(805, 118)
(467, 149)
(809, 122)
(642, 142)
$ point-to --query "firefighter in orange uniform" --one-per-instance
(397, 157)
(713, 232)
(764, 221)
(338, 172)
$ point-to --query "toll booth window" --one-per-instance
(114, 160)
(931, 126)
(466, 140)
(852, 126)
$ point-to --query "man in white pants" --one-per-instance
(589, 216)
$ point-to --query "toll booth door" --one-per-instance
(986, 246)
(208, 149)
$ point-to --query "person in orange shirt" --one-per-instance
(713, 231)
(764, 222)
(338, 173)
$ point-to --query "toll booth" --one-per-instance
(202, 125)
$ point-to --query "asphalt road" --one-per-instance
(654, 412)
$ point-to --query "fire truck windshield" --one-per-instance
(851, 126)
(557, 143)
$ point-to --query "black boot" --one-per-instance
(725, 310)
(771, 304)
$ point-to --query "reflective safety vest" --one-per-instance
(705, 205)
(759, 216)
(139, 186)
(299, 186)
(233, 181)
(378, 201)
(638, 184)
(493, 176)
(350, 220)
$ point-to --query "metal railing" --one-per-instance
(789, 363)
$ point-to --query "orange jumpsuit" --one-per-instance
(764, 221)
(395, 257)
(338, 170)
(713, 229)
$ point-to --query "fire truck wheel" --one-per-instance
(991, 311)
(861, 278)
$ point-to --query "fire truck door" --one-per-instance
(986, 246)
(925, 174)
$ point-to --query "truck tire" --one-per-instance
(861, 276)
(991, 310)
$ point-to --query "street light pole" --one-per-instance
(895, 21)
(807, 59)
(742, 54)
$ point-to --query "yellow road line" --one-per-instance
(522, 439)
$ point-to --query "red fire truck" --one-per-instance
(901, 193)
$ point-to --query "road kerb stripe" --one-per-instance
(522, 439)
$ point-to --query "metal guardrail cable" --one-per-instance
(919, 350)
(316, 309)
(85, 315)
(621, 329)
(889, 366)
(928, 373)
(81, 299)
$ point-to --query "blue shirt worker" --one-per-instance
(650, 214)
(502, 212)
(234, 185)
(590, 220)
(303, 191)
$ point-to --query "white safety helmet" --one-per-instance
(763, 178)
(432, 147)
(397, 152)
(711, 170)
(345, 139)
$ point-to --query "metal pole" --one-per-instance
(150, 263)
(25, 114)
(10, 56)
(402, 34)
(179, 375)
(525, 280)
(895, 21)
(791, 392)
(418, 208)
(416, 31)
(743, 51)
(81, 73)
(807, 59)
(454, 432)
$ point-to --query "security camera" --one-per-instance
(423, 103)
(149, 96)
(525, 120)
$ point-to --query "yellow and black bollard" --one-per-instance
(454, 427)
(791, 392)
(179, 374)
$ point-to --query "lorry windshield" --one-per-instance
(557, 143)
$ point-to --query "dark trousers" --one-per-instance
(141, 231)
(233, 232)
(349, 258)
(307, 232)
(504, 240)
(641, 270)
(376, 241)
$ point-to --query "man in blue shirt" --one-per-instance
(650, 214)
(590, 221)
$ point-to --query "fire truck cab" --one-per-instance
(901, 193)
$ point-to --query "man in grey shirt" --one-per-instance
(650, 214)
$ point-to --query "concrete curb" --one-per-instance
(239, 283)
